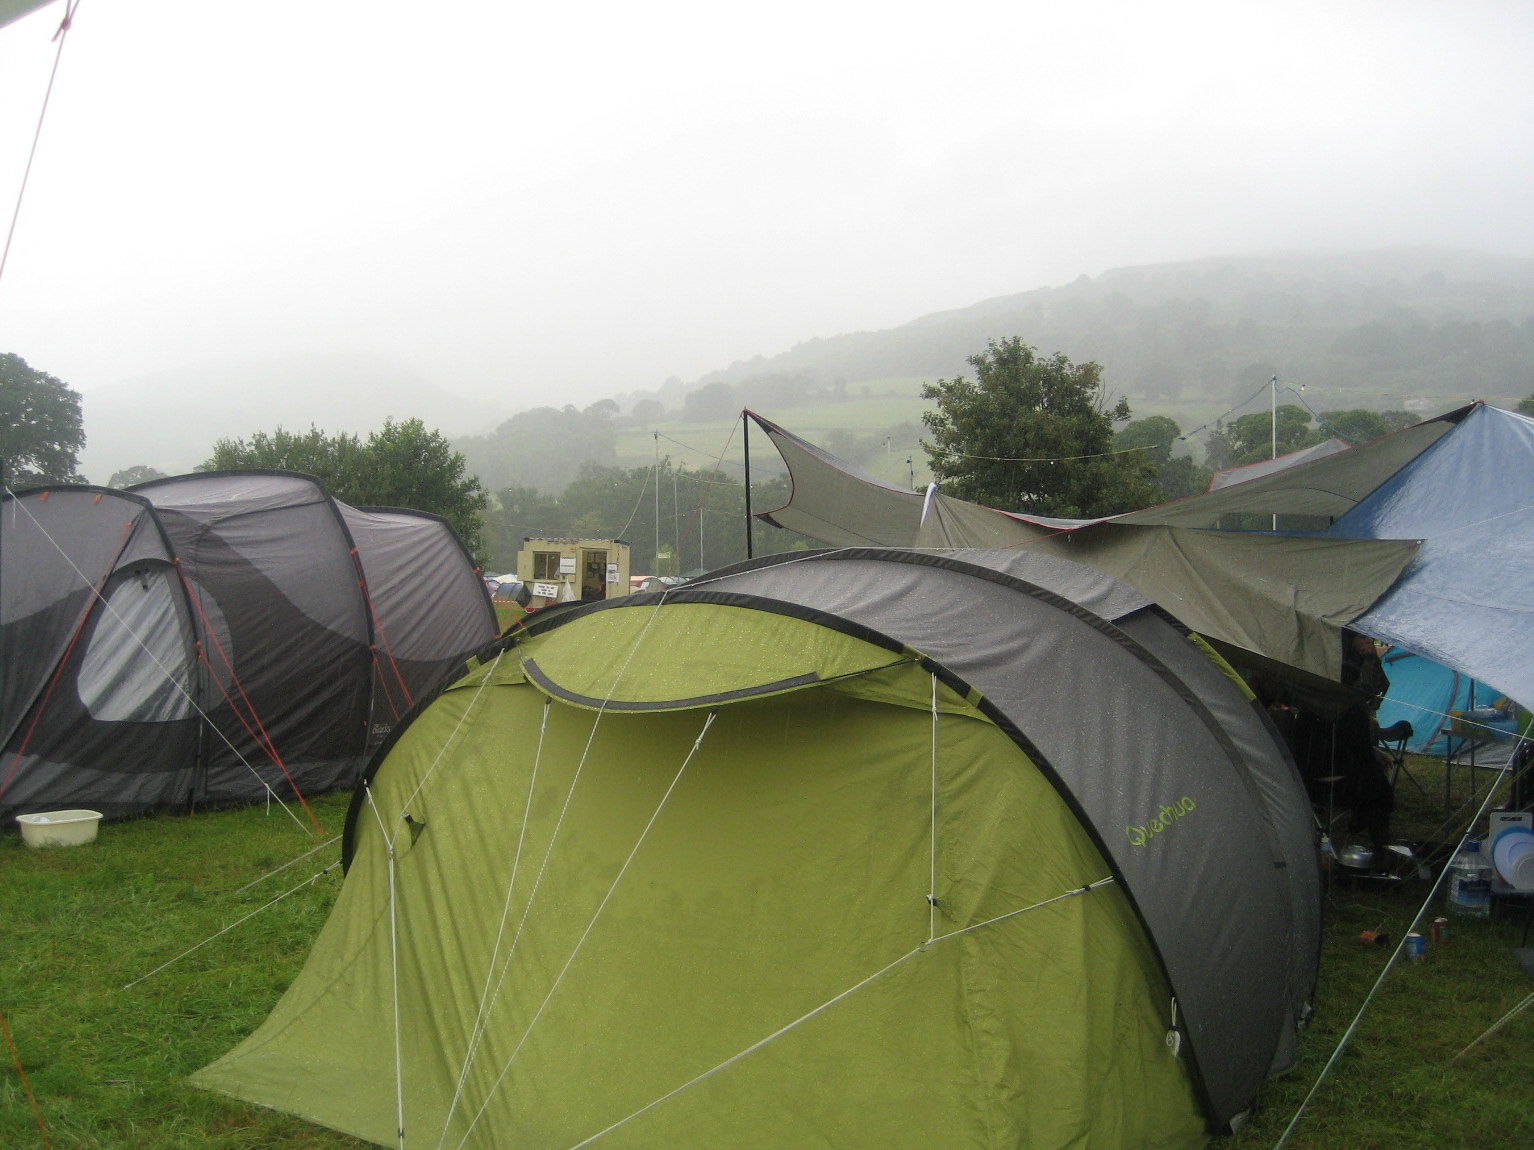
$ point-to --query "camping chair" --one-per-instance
(1392, 740)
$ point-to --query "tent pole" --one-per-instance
(745, 428)
(1273, 404)
(655, 560)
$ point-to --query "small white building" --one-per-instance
(567, 570)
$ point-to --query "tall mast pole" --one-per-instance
(1273, 388)
(745, 427)
(655, 559)
(1273, 393)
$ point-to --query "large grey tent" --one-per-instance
(844, 848)
(215, 638)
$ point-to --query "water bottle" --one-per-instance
(1470, 882)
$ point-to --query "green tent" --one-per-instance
(846, 849)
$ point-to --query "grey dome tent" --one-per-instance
(215, 638)
(844, 848)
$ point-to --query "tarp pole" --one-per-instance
(745, 428)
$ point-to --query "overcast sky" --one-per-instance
(563, 201)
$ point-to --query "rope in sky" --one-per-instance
(61, 36)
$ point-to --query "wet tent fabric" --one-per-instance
(90, 717)
(1281, 597)
(203, 638)
(994, 619)
(426, 612)
(660, 875)
(1467, 599)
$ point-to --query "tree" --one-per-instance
(714, 401)
(400, 465)
(138, 473)
(647, 412)
(1358, 424)
(1251, 436)
(543, 447)
(41, 431)
(1526, 405)
(1034, 434)
(1177, 476)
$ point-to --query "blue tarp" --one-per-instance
(1467, 599)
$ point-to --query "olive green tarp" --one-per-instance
(1284, 598)
(660, 877)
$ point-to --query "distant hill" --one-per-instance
(1411, 322)
(1415, 329)
(170, 420)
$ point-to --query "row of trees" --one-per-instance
(402, 465)
(1028, 433)
(1036, 434)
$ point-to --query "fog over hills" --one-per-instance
(1417, 329)
(1402, 322)
(1413, 328)
(170, 420)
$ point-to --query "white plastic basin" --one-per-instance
(59, 828)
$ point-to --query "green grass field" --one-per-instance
(108, 1065)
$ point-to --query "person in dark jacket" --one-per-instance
(1365, 784)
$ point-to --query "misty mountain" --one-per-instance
(170, 420)
(1398, 323)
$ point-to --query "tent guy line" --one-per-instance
(399, 1074)
(62, 36)
(404, 809)
(310, 881)
(286, 865)
(1395, 955)
(585, 934)
(920, 948)
(548, 852)
(486, 1001)
(164, 670)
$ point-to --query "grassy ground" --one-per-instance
(1398, 1086)
(109, 1065)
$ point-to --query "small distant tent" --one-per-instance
(1426, 694)
(845, 848)
(216, 638)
